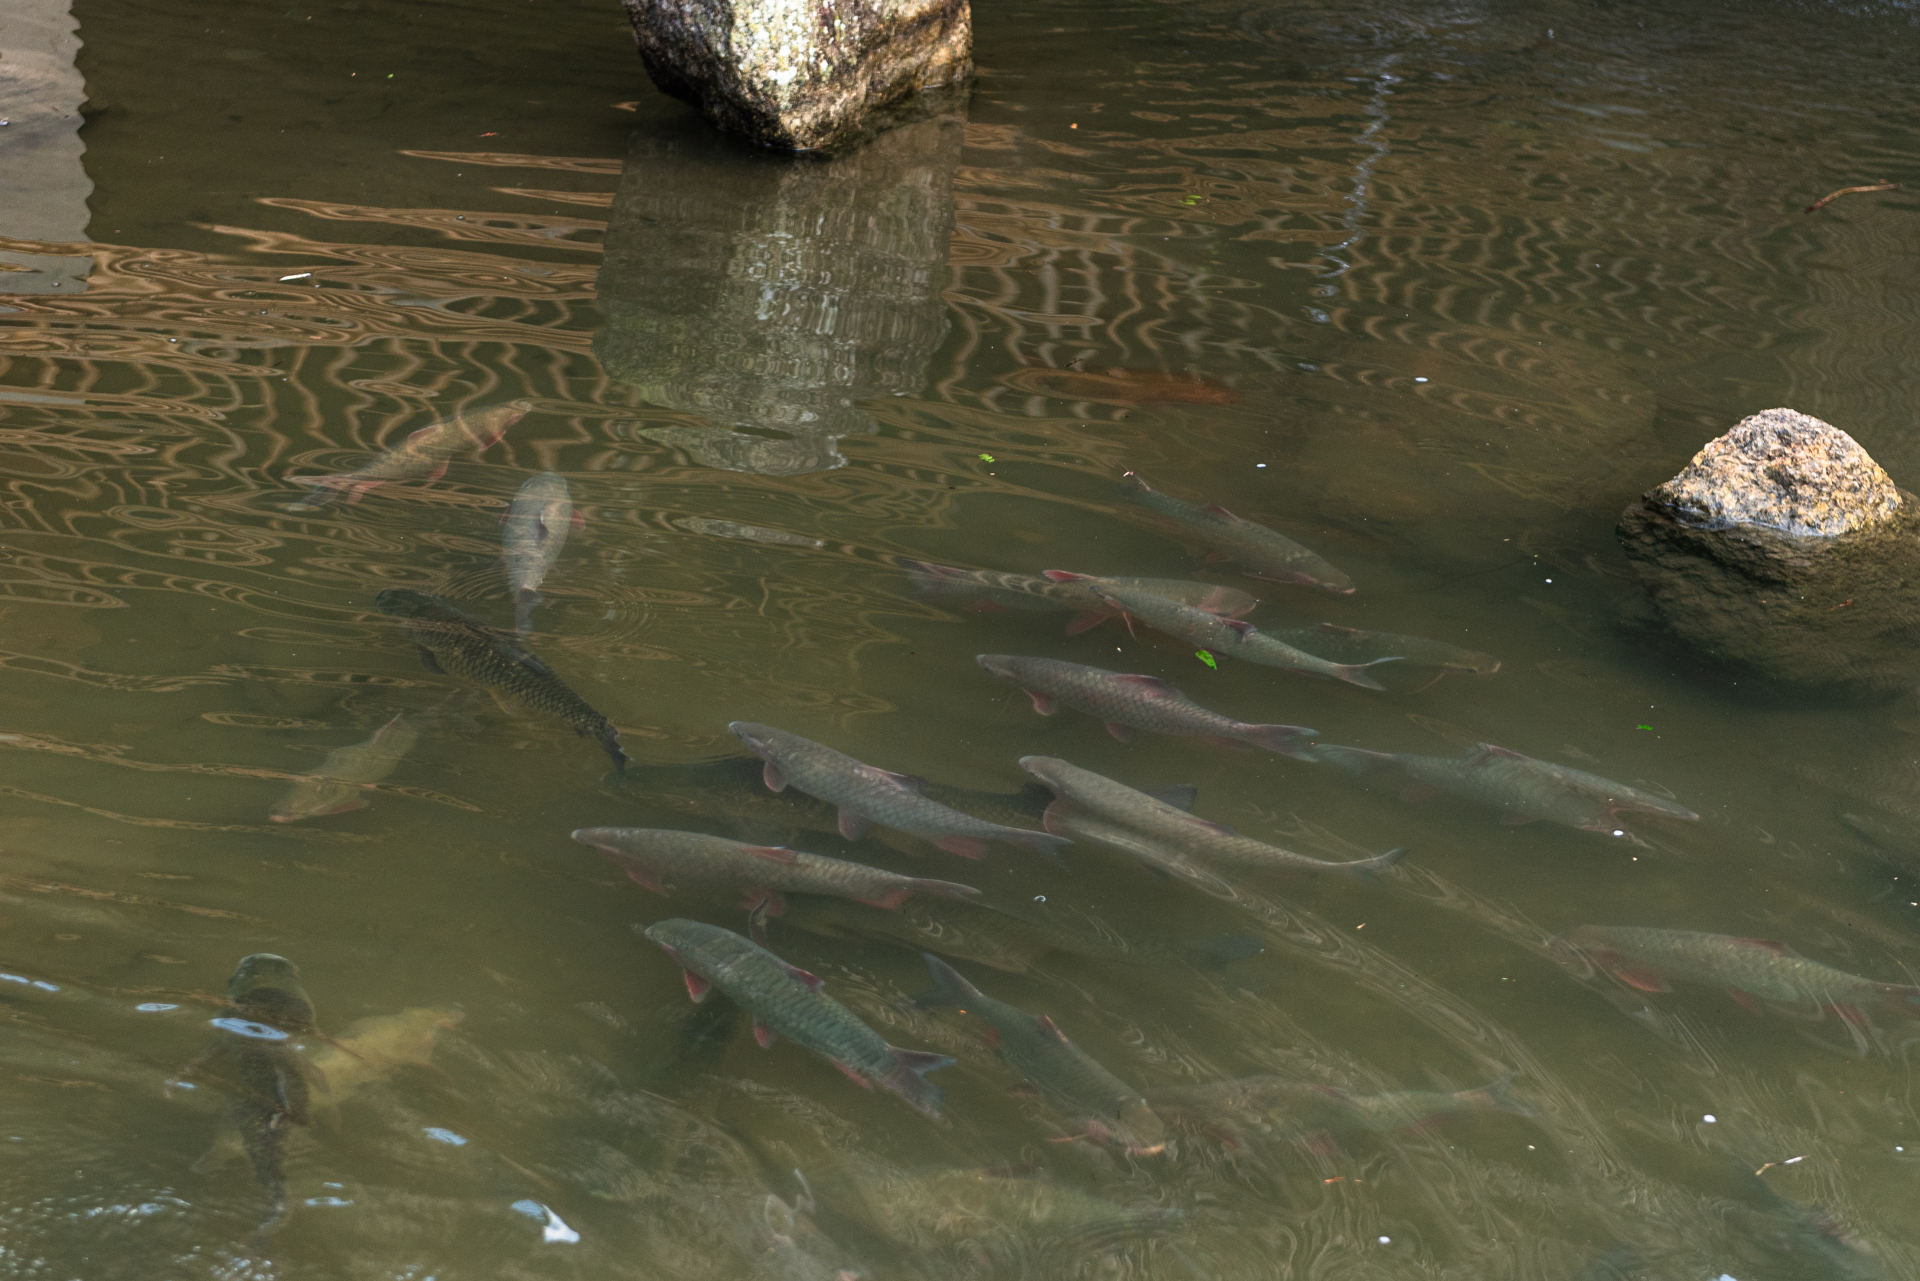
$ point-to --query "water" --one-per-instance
(1476, 274)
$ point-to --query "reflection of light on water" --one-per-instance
(556, 1228)
(250, 1029)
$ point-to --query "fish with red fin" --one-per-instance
(1261, 552)
(1058, 589)
(1128, 702)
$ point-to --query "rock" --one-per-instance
(801, 76)
(769, 296)
(1786, 556)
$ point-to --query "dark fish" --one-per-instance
(1066, 1075)
(347, 774)
(788, 1001)
(866, 795)
(665, 860)
(1122, 388)
(1057, 589)
(1153, 817)
(1129, 702)
(980, 932)
(532, 534)
(1750, 970)
(1298, 1108)
(1526, 788)
(425, 453)
(1259, 550)
(455, 643)
(1237, 638)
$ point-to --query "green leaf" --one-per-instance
(986, 458)
(1207, 658)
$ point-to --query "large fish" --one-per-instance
(1067, 1076)
(1235, 637)
(1259, 550)
(1130, 702)
(868, 795)
(455, 643)
(1083, 824)
(532, 534)
(1122, 388)
(425, 453)
(348, 774)
(1351, 645)
(972, 931)
(1527, 789)
(665, 860)
(788, 1001)
(1154, 817)
(1299, 1108)
(1059, 589)
(1751, 970)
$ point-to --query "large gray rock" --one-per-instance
(769, 296)
(801, 75)
(1785, 554)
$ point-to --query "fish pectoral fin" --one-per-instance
(774, 777)
(1419, 792)
(1771, 945)
(525, 659)
(912, 782)
(963, 846)
(1217, 558)
(1240, 625)
(1745, 1000)
(1337, 630)
(1045, 704)
(1121, 732)
(774, 853)
(1052, 1029)
(1087, 620)
(439, 470)
(577, 521)
(1218, 512)
(697, 987)
(512, 706)
(646, 879)
(853, 1074)
(1062, 576)
(763, 1035)
(428, 661)
(1640, 980)
(1178, 795)
(764, 903)
(853, 823)
(1151, 684)
(807, 979)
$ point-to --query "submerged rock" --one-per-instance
(801, 77)
(1785, 554)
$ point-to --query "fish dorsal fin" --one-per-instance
(813, 981)
(773, 853)
(1064, 576)
(1218, 512)
(1493, 751)
(1774, 946)
(525, 658)
(1221, 828)
(1337, 630)
(912, 782)
(1052, 1029)
(1240, 625)
(423, 433)
(1151, 684)
(1178, 795)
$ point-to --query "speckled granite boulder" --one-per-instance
(801, 75)
(1785, 556)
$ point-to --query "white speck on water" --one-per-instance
(1549, 580)
(1419, 380)
(1709, 1118)
(1386, 1240)
(327, 1200)
(155, 1007)
(556, 1229)
(1256, 465)
(1039, 898)
(1619, 832)
(440, 1135)
(304, 275)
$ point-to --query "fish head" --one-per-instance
(267, 987)
(1139, 1130)
(404, 602)
(317, 798)
(756, 736)
(1005, 666)
(1044, 768)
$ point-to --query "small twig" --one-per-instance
(1882, 185)
(1792, 1160)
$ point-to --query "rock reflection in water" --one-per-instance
(771, 295)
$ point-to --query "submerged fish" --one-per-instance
(1750, 970)
(1066, 1075)
(1298, 1108)
(425, 453)
(1129, 702)
(972, 931)
(1121, 387)
(868, 795)
(666, 860)
(374, 1048)
(532, 534)
(1235, 637)
(1351, 645)
(751, 533)
(1262, 552)
(455, 643)
(1154, 817)
(348, 774)
(1083, 824)
(1058, 589)
(1526, 788)
(785, 1245)
(788, 1001)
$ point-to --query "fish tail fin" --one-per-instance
(1369, 869)
(928, 578)
(609, 740)
(948, 987)
(908, 1078)
(524, 603)
(1284, 739)
(944, 889)
(1356, 673)
(1498, 1096)
(1356, 760)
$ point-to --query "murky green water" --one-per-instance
(1475, 275)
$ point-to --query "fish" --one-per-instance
(1260, 551)
(1083, 824)
(1237, 638)
(664, 860)
(1526, 788)
(532, 533)
(1299, 1108)
(1060, 589)
(1153, 817)
(425, 453)
(751, 533)
(455, 643)
(1351, 645)
(1123, 388)
(867, 795)
(372, 1049)
(1751, 970)
(787, 1246)
(1010, 941)
(1130, 702)
(348, 774)
(787, 1001)
(1066, 1076)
